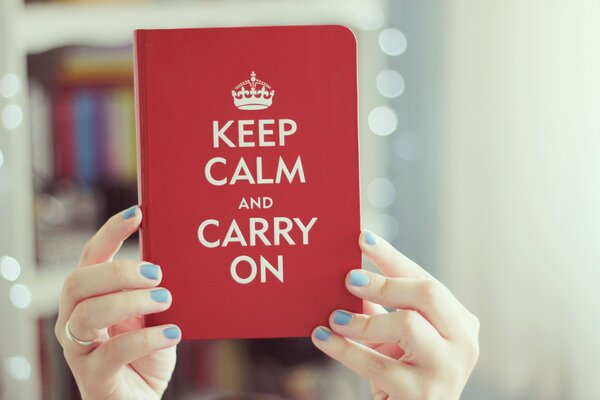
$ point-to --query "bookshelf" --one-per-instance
(33, 37)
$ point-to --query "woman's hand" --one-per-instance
(103, 302)
(425, 348)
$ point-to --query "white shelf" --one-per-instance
(44, 26)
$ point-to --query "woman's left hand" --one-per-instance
(425, 348)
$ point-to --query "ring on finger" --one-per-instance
(76, 340)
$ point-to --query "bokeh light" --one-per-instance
(18, 368)
(10, 269)
(381, 192)
(383, 121)
(9, 85)
(390, 83)
(392, 42)
(20, 295)
(12, 116)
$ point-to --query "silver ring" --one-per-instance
(78, 341)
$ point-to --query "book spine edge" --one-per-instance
(140, 128)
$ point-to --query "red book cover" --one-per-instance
(249, 175)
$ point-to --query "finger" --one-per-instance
(394, 377)
(99, 279)
(109, 238)
(371, 308)
(389, 349)
(127, 325)
(389, 260)
(430, 298)
(421, 343)
(123, 349)
(91, 316)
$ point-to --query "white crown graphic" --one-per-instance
(252, 94)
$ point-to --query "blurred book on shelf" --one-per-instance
(84, 146)
(56, 378)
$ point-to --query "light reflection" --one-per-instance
(20, 295)
(390, 83)
(382, 121)
(10, 269)
(392, 42)
(381, 192)
(12, 116)
(18, 368)
(9, 85)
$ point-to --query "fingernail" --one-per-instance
(342, 317)
(172, 332)
(150, 271)
(369, 238)
(322, 334)
(129, 213)
(160, 295)
(358, 278)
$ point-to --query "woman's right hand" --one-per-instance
(103, 301)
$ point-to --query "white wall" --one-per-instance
(520, 203)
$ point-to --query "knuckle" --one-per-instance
(476, 323)
(473, 350)
(385, 291)
(342, 349)
(368, 328)
(71, 285)
(58, 330)
(83, 315)
(430, 292)
(406, 319)
(128, 302)
(119, 270)
(88, 249)
(376, 366)
(145, 340)
(472, 337)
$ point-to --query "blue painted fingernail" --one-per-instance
(342, 317)
(322, 334)
(369, 237)
(130, 212)
(150, 271)
(358, 278)
(160, 295)
(172, 332)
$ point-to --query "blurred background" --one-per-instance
(480, 144)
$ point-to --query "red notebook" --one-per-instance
(249, 175)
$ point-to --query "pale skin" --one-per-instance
(423, 349)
